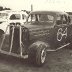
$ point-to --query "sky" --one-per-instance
(58, 5)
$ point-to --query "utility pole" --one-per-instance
(31, 7)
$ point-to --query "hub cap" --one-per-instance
(43, 55)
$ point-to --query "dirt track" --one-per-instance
(60, 61)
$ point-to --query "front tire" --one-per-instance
(40, 56)
(37, 55)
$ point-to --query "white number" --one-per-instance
(61, 33)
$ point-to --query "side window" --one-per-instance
(69, 19)
(62, 19)
(65, 19)
(59, 20)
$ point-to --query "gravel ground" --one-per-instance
(60, 61)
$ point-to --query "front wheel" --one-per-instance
(41, 56)
(37, 55)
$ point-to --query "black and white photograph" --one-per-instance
(35, 35)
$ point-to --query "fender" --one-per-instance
(38, 44)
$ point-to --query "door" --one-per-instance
(61, 29)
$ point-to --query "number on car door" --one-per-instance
(61, 29)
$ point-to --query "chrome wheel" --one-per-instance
(43, 55)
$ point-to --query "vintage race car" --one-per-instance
(43, 31)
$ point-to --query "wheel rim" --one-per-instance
(43, 55)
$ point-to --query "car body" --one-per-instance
(43, 31)
(49, 27)
(8, 16)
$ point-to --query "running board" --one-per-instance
(60, 47)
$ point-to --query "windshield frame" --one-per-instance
(30, 22)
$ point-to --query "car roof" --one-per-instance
(12, 12)
(49, 12)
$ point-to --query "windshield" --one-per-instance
(41, 18)
(47, 18)
(3, 15)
